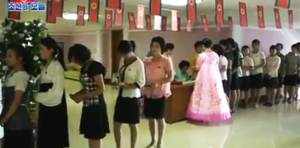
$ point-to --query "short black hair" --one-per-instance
(198, 44)
(80, 53)
(26, 56)
(295, 46)
(125, 47)
(159, 40)
(207, 43)
(133, 45)
(231, 41)
(279, 44)
(245, 47)
(273, 47)
(218, 49)
(183, 64)
(169, 46)
(223, 42)
(255, 41)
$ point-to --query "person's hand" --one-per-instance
(122, 84)
(76, 98)
(3, 120)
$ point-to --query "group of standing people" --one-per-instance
(223, 74)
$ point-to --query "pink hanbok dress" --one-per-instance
(208, 101)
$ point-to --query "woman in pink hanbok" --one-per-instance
(208, 102)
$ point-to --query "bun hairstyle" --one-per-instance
(58, 53)
(125, 47)
(80, 53)
(207, 43)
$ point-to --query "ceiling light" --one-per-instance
(177, 2)
(73, 16)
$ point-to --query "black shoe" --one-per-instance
(268, 104)
(290, 101)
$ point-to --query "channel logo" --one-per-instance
(26, 5)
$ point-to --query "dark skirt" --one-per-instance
(53, 126)
(235, 85)
(245, 83)
(155, 108)
(226, 87)
(290, 80)
(280, 81)
(257, 81)
(18, 139)
(94, 121)
(127, 110)
(272, 83)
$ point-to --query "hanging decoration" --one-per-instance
(155, 7)
(119, 17)
(58, 6)
(178, 24)
(140, 16)
(243, 14)
(204, 21)
(113, 4)
(93, 11)
(283, 3)
(277, 18)
(157, 22)
(164, 23)
(80, 15)
(131, 20)
(191, 11)
(108, 18)
(51, 15)
(174, 20)
(261, 17)
(148, 22)
(219, 13)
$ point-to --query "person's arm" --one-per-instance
(263, 62)
(140, 78)
(169, 72)
(277, 65)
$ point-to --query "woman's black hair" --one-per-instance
(125, 47)
(183, 64)
(198, 44)
(218, 49)
(207, 43)
(245, 47)
(58, 54)
(80, 53)
(24, 53)
(273, 47)
(255, 41)
(295, 46)
(133, 45)
(160, 41)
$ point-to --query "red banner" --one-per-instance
(108, 18)
(148, 22)
(277, 18)
(243, 14)
(51, 15)
(118, 17)
(291, 19)
(93, 10)
(178, 24)
(230, 22)
(204, 21)
(80, 15)
(220, 13)
(283, 3)
(16, 15)
(155, 7)
(140, 16)
(191, 10)
(261, 17)
(164, 23)
(114, 4)
(131, 21)
(58, 6)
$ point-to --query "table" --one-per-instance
(178, 103)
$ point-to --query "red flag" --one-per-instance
(155, 7)
(291, 19)
(277, 18)
(58, 7)
(22, 1)
(204, 21)
(51, 16)
(157, 22)
(230, 22)
(283, 3)
(179, 24)
(80, 15)
(93, 10)
(191, 10)
(220, 13)
(118, 17)
(261, 17)
(16, 15)
(243, 14)
(131, 21)
(114, 4)
(148, 22)
(164, 23)
(174, 20)
(108, 18)
(140, 16)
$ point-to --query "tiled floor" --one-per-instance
(277, 127)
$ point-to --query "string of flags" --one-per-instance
(154, 20)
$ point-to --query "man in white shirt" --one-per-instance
(259, 60)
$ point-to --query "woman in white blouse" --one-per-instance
(131, 80)
(52, 116)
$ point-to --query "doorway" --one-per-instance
(116, 37)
